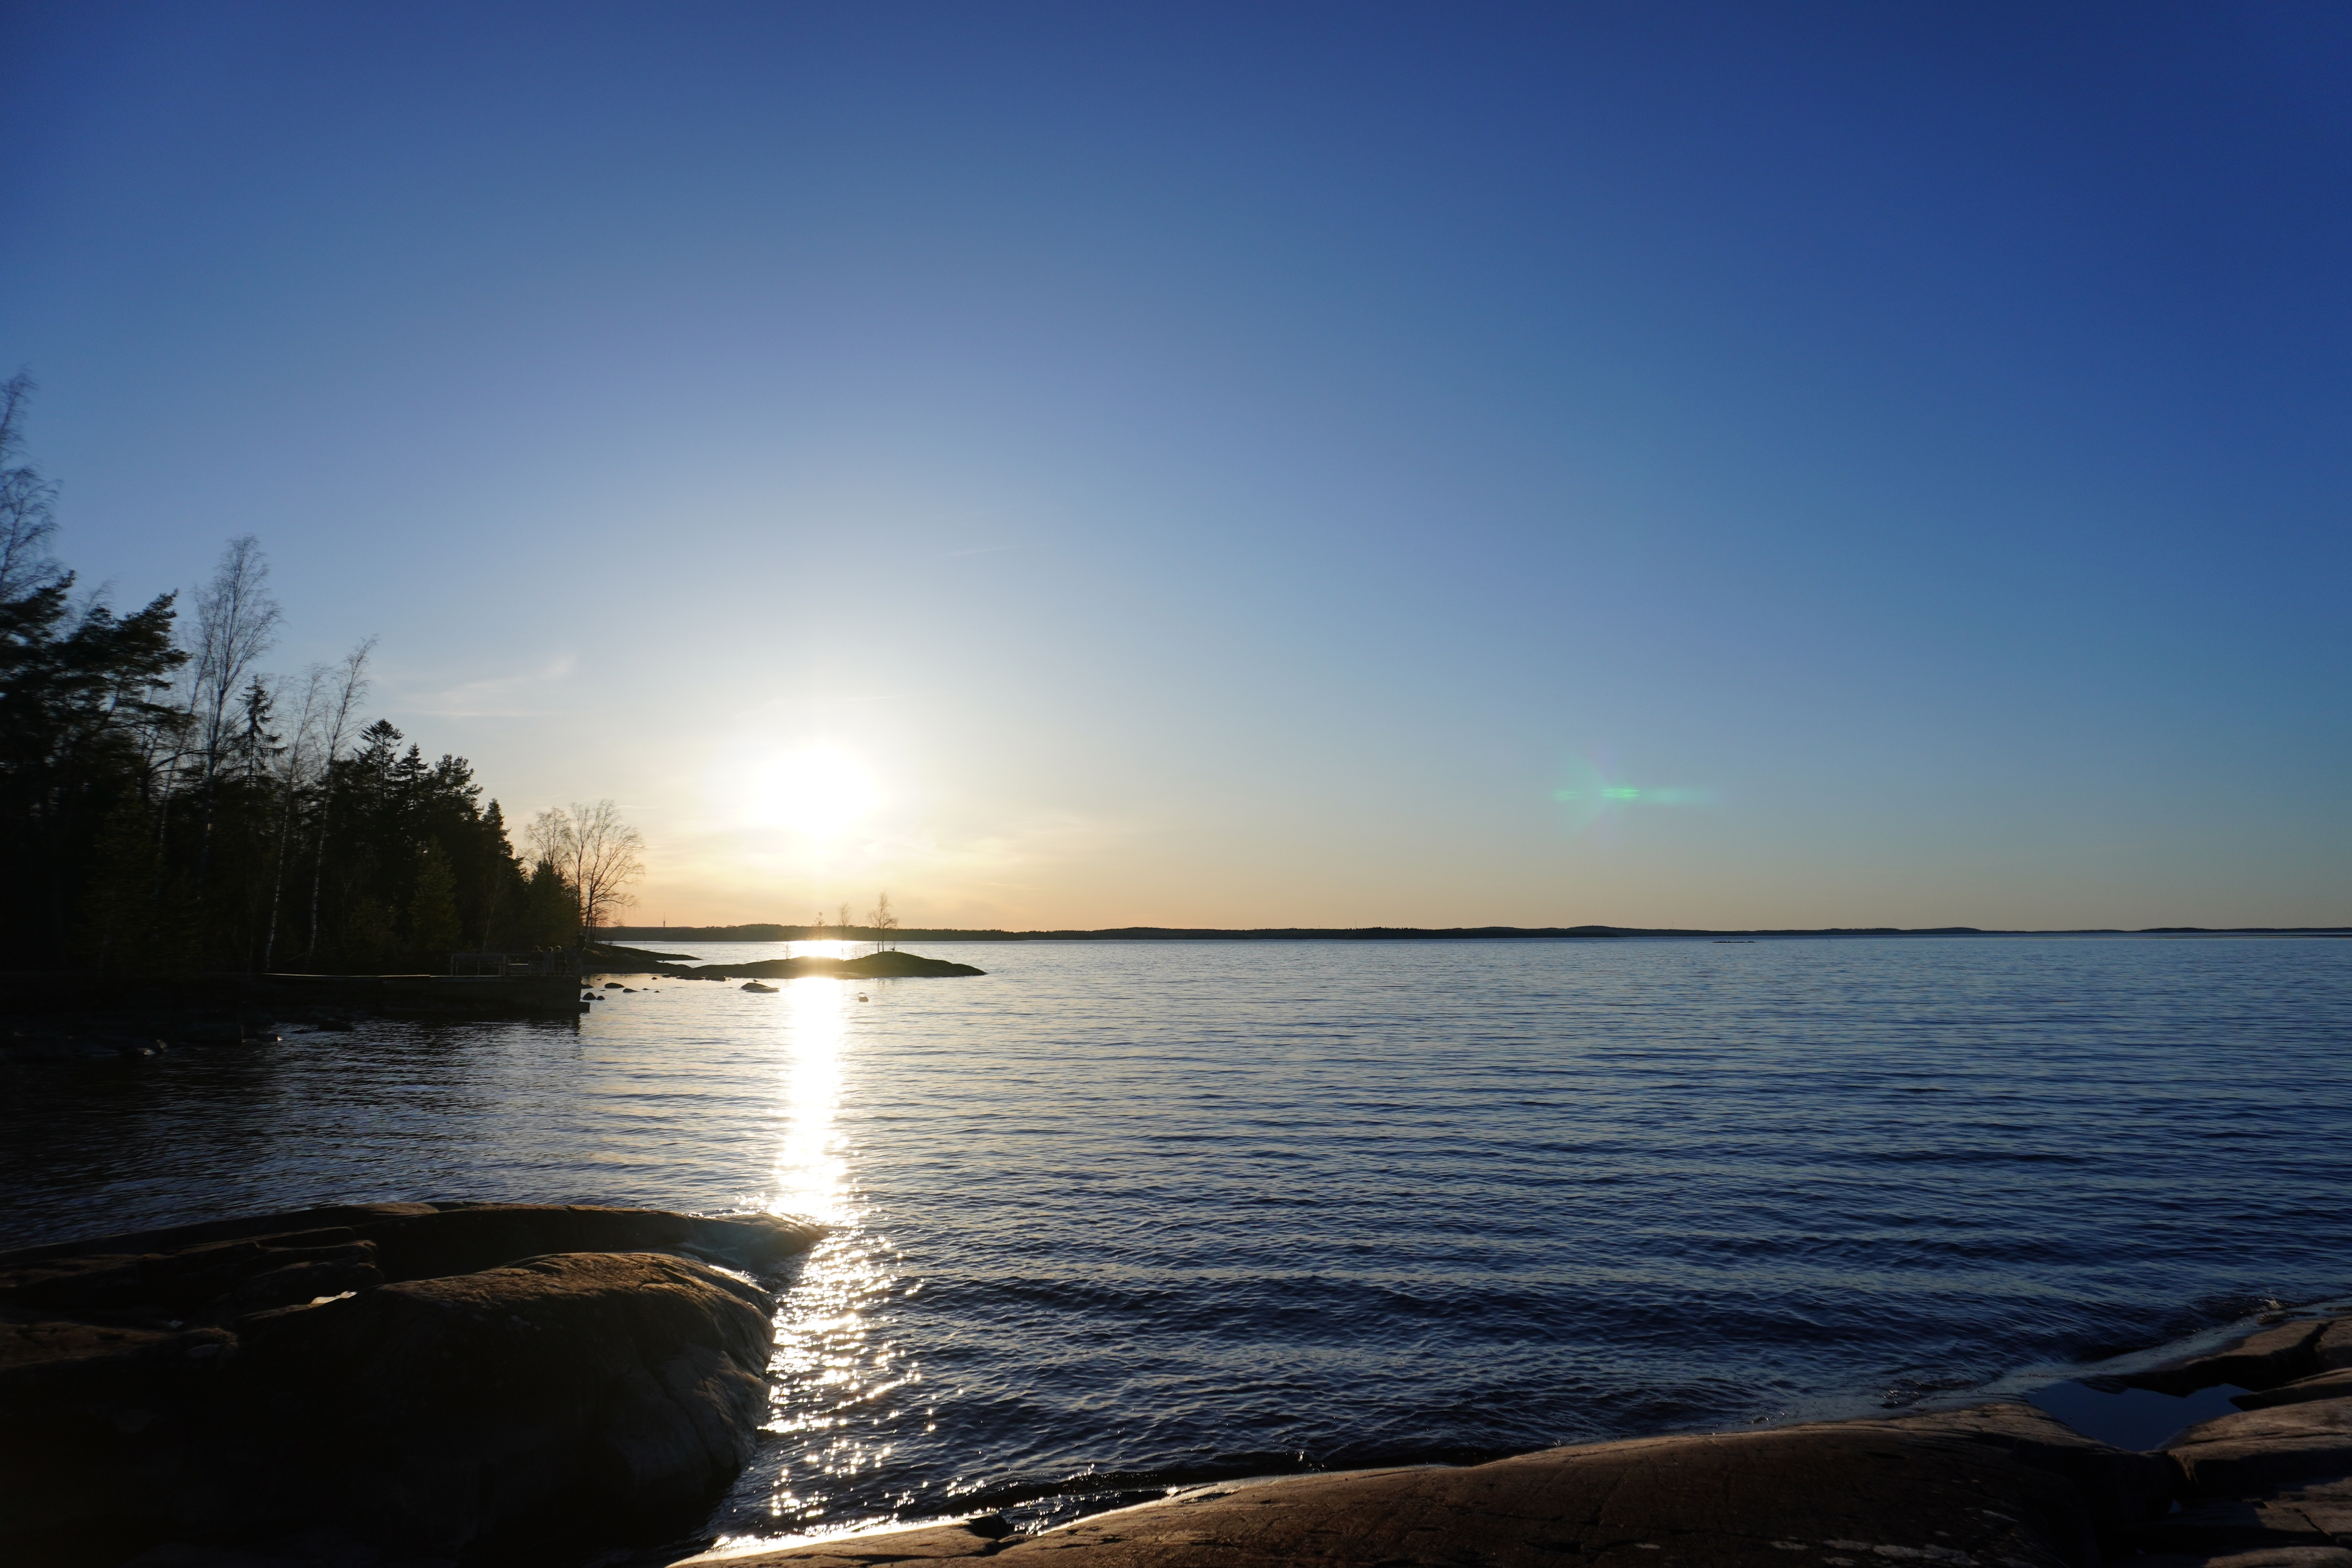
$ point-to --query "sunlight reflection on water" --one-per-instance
(1122, 1216)
(832, 1366)
(809, 1170)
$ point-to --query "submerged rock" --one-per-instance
(395, 1380)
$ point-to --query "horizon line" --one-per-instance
(806, 933)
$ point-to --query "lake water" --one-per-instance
(1120, 1215)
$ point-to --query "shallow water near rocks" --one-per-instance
(1119, 1215)
(2132, 1418)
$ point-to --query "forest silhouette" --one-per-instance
(167, 806)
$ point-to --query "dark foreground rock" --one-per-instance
(445, 1383)
(2001, 1486)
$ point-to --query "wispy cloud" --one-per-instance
(514, 695)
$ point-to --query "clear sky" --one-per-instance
(1254, 465)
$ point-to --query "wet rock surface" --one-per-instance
(2000, 1484)
(2264, 1359)
(381, 1383)
(457, 1386)
(2272, 1487)
(1997, 1486)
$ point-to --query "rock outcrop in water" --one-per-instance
(873, 966)
(891, 965)
(382, 1381)
(1994, 1486)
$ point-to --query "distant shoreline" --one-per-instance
(1393, 933)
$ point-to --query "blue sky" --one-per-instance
(1247, 465)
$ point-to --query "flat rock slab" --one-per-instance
(2334, 1383)
(2265, 1451)
(227, 1268)
(2254, 1557)
(406, 1380)
(2262, 1360)
(2229, 1525)
(1998, 1486)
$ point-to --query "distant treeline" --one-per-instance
(1381, 933)
(167, 806)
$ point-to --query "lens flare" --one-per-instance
(1589, 797)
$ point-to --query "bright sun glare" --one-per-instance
(816, 789)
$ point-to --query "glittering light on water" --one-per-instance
(843, 1386)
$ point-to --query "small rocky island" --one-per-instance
(891, 964)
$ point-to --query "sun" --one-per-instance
(817, 789)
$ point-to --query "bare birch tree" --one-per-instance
(296, 765)
(605, 851)
(346, 687)
(595, 851)
(27, 515)
(883, 920)
(236, 623)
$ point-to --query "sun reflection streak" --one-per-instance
(843, 1386)
(809, 1170)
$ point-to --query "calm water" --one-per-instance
(1124, 1213)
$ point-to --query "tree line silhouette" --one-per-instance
(167, 806)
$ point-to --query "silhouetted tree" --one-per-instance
(604, 851)
(27, 510)
(432, 906)
(159, 803)
(236, 623)
(80, 717)
(882, 921)
(340, 713)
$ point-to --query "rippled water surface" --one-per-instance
(1122, 1214)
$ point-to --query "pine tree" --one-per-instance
(433, 928)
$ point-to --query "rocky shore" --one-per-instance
(428, 1384)
(52, 1017)
(49, 1016)
(1999, 1484)
(459, 1385)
